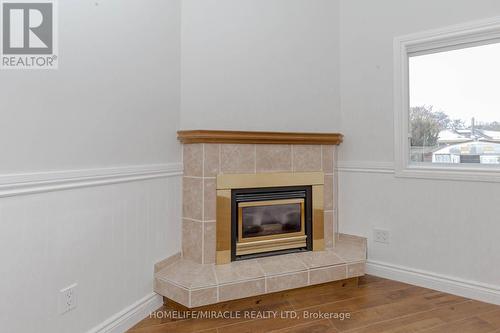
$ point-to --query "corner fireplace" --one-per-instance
(268, 214)
(270, 221)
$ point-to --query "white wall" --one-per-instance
(105, 238)
(260, 65)
(114, 99)
(441, 227)
(108, 115)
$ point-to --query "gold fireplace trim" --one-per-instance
(225, 183)
(275, 244)
(234, 181)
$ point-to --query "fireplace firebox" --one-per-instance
(270, 221)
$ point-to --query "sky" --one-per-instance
(462, 83)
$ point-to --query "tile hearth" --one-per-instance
(193, 284)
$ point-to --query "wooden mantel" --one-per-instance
(213, 136)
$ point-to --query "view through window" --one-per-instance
(454, 114)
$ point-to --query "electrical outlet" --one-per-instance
(381, 236)
(68, 299)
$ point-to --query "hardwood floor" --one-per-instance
(375, 305)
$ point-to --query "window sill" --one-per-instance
(450, 172)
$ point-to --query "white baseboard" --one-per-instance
(470, 289)
(128, 317)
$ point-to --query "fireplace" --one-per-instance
(270, 221)
(251, 194)
(268, 214)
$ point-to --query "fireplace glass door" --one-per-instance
(271, 221)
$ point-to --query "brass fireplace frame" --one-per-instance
(228, 182)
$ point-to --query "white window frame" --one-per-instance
(450, 38)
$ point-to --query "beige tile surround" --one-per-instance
(193, 284)
(204, 161)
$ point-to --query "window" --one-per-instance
(447, 103)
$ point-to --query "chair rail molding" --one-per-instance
(47, 181)
(365, 167)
